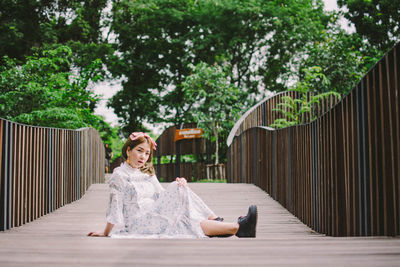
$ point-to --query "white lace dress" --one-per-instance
(140, 207)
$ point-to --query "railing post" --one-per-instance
(274, 164)
(255, 156)
(289, 194)
(240, 159)
(314, 157)
(178, 159)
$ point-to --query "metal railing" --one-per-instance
(42, 169)
(340, 173)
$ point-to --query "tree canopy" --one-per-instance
(52, 51)
(213, 101)
(50, 54)
(376, 20)
(44, 92)
(158, 39)
(28, 26)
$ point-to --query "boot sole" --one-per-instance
(253, 234)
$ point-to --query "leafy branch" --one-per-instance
(296, 110)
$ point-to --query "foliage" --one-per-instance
(294, 110)
(40, 89)
(262, 45)
(376, 20)
(29, 26)
(212, 100)
(342, 57)
(44, 92)
(116, 142)
(158, 39)
(167, 159)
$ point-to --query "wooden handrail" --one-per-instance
(42, 169)
(339, 174)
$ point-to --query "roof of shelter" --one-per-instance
(167, 146)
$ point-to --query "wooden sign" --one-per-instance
(188, 133)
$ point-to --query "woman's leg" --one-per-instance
(212, 217)
(212, 228)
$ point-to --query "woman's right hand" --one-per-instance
(96, 234)
(181, 181)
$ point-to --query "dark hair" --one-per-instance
(148, 167)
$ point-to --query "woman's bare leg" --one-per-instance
(211, 228)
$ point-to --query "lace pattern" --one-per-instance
(142, 208)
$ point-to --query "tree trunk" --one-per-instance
(215, 128)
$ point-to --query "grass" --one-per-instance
(199, 181)
(210, 181)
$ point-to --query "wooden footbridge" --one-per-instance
(328, 191)
(59, 238)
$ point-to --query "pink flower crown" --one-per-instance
(136, 135)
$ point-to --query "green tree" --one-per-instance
(28, 26)
(49, 56)
(158, 39)
(343, 58)
(295, 110)
(376, 20)
(212, 101)
(44, 92)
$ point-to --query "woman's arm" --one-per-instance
(157, 186)
(107, 230)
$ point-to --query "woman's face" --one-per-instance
(138, 155)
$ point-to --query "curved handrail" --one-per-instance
(262, 114)
(340, 173)
(235, 127)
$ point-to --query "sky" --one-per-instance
(107, 90)
(330, 4)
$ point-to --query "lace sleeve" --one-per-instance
(114, 213)
(157, 187)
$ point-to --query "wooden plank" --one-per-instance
(389, 148)
(281, 238)
(353, 196)
(23, 174)
(396, 77)
(334, 159)
(30, 173)
(382, 156)
(36, 174)
(42, 172)
(374, 163)
(15, 195)
(2, 174)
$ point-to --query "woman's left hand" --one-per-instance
(181, 181)
(99, 234)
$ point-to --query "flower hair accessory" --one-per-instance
(136, 135)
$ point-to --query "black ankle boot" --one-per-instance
(248, 223)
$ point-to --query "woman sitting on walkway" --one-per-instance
(142, 208)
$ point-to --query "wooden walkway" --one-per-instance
(59, 239)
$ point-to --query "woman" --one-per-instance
(139, 207)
